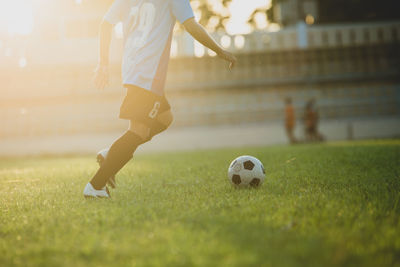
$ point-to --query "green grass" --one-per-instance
(321, 205)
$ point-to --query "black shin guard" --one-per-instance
(118, 155)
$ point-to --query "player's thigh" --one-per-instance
(147, 129)
(142, 108)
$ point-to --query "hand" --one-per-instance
(225, 55)
(101, 75)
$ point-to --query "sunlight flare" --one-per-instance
(17, 16)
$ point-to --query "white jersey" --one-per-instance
(148, 26)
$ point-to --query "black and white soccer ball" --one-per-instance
(246, 171)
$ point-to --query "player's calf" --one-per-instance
(101, 157)
(120, 152)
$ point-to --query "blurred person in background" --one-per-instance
(290, 120)
(148, 28)
(311, 120)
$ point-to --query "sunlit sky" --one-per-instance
(16, 16)
(241, 10)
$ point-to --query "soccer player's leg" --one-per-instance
(101, 156)
(148, 115)
(161, 124)
(120, 153)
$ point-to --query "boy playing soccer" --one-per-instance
(148, 27)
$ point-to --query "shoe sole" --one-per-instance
(93, 197)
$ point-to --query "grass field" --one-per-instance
(321, 205)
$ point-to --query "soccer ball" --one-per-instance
(246, 171)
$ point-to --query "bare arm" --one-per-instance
(201, 35)
(101, 72)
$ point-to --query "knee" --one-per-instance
(141, 130)
(166, 119)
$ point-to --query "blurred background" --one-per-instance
(344, 55)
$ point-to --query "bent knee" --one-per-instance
(139, 129)
(165, 118)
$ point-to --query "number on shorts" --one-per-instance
(153, 113)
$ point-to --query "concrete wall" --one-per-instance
(199, 137)
(353, 78)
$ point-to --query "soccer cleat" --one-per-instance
(90, 192)
(101, 156)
